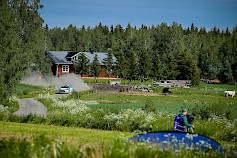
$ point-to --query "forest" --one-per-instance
(161, 51)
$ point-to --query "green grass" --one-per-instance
(28, 140)
(71, 134)
(209, 98)
(26, 87)
(99, 80)
(123, 81)
(170, 103)
(31, 91)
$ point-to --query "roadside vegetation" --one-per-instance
(31, 91)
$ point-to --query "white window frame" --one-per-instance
(65, 68)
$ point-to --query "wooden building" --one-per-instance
(63, 61)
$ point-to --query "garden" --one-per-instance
(112, 119)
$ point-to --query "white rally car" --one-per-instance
(66, 89)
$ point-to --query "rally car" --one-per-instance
(66, 89)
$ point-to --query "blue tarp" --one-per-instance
(179, 140)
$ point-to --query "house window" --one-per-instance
(65, 68)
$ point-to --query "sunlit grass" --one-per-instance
(70, 134)
(31, 91)
(126, 112)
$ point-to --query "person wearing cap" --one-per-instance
(181, 123)
(185, 120)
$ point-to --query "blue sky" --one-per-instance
(206, 13)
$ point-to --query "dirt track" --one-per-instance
(31, 106)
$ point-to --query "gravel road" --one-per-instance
(31, 106)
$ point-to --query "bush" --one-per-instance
(149, 106)
(205, 111)
(78, 95)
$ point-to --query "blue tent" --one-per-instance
(179, 140)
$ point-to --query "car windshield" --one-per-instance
(65, 87)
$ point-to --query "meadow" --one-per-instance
(108, 116)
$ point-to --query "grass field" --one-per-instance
(30, 91)
(29, 140)
(123, 81)
(180, 98)
(216, 117)
(71, 135)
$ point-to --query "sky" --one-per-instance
(203, 13)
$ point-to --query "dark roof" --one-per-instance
(101, 56)
(59, 57)
(70, 54)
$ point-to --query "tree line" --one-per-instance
(158, 52)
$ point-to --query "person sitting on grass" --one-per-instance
(181, 123)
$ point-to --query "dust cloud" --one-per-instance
(68, 79)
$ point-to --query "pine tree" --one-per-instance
(95, 67)
(209, 49)
(226, 72)
(144, 65)
(109, 63)
(120, 65)
(156, 68)
(82, 65)
(132, 65)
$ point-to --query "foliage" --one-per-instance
(109, 64)
(156, 68)
(43, 146)
(82, 65)
(120, 65)
(95, 67)
(123, 81)
(78, 95)
(21, 45)
(98, 80)
(226, 71)
(149, 106)
(139, 113)
(205, 112)
(30, 91)
(168, 48)
(78, 113)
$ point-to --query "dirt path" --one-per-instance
(31, 106)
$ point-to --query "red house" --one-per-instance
(63, 61)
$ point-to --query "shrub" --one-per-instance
(78, 95)
(205, 111)
(149, 106)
